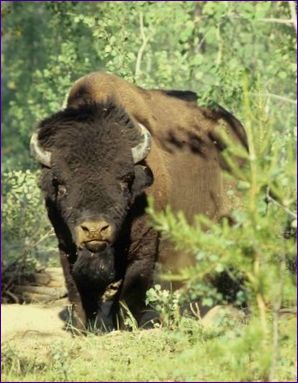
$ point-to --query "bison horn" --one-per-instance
(140, 151)
(41, 155)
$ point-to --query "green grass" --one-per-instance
(188, 353)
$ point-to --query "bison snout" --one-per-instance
(95, 234)
(96, 246)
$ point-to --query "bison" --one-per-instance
(112, 146)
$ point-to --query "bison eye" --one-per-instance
(126, 181)
(128, 178)
(61, 190)
(123, 185)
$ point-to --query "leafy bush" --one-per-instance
(241, 55)
(255, 248)
(27, 235)
(202, 46)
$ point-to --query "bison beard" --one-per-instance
(100, 161)
(93, 272)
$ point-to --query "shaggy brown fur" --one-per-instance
(186, 154)
(90, 143)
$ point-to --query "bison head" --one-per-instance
(91, 172)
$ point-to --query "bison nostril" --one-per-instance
(104, 228)
(84, 228)
(100, 229)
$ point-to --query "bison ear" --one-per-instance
(143, 179)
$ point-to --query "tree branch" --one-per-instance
(220, 46)
(277, 97)
(288, 22)
(145, 40)
(275, 320)
(271, 199)
(282, 98)
(278, 21)
(293, 13)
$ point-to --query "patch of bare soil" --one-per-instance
(33, 321)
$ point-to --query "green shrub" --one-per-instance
(208, 47)
(202, 46)
(255, 248)
(28, 237)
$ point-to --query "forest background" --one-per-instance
(241, 55)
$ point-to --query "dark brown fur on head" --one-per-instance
(92, 175)
(91, 159)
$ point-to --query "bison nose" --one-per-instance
(97, 230)
(94, 234)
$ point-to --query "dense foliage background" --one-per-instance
(241, 55)
(203, 46)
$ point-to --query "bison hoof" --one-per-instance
(73, 323)
(149, 319)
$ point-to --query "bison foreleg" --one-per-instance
(138, 279)
(77, 317)
(105, 317)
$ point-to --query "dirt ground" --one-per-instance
(32, 321)
(44, 321)
(35, 348)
